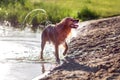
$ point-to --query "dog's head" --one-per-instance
(70, 22)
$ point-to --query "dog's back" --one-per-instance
(49, 33)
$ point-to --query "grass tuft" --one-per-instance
(87, 14)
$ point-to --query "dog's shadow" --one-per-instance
(72, 66)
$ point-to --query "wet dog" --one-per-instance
(57, 34)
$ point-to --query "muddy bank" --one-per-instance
(94, 54)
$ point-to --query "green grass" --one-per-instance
(16, 10)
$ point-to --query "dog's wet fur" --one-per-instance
(57, 34)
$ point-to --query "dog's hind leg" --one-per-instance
(43, 42)
(42, 48)
(66, 48)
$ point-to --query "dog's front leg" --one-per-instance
(66, 48)
(57, 53)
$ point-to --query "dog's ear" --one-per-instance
(63, 22)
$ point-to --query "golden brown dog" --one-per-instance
(57, 35)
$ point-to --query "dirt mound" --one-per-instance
(94, 54)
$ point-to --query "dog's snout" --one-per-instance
(77, 20)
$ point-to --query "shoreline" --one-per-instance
(42, 76)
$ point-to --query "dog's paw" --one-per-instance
(64, 53)
(41, 58)
(58, 61)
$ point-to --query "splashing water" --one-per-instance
(36, 10)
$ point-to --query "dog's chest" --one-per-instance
(63, 35)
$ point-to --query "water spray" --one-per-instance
(42, 11)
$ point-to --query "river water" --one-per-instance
(19, 54)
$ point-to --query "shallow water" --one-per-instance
(19, 55)
(23, 71)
